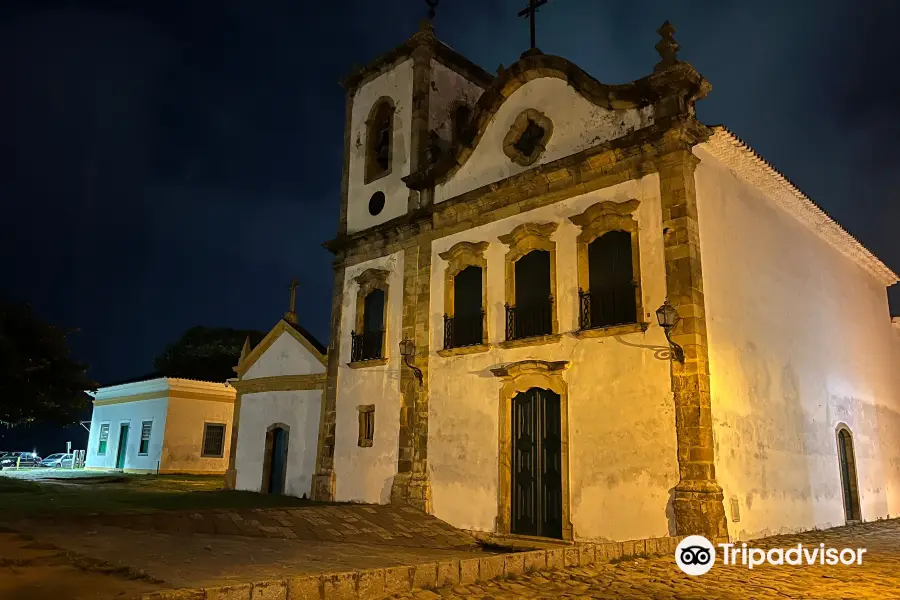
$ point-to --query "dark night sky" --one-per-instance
(176, 162)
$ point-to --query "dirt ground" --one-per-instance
(32, 570)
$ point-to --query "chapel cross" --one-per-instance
(293, 289)
(530, 11)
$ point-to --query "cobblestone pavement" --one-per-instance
(877, 577)
(372, 524)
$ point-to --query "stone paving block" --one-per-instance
(468, 571)
(340, 586)
(535, 560)
(514, 564)
(556, 558)
(370, 585)
(491, 567)
(571, 556)
(269, 590)
(397, 581)
(231, 592)
(305, 588)
(424, 576)
(586, 554)
(447, 572)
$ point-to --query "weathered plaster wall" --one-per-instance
(799, 342)
(366, 474)
(300, 410)
(448, 89)
(286, 356)
(134, 414)
(183, 444)
(577, 124)
(621, 420)
(396, 84)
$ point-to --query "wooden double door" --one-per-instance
(536, 503)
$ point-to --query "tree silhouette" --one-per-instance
(39, 381)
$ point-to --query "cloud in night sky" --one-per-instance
(176, 163)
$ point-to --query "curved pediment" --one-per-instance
(583, 111)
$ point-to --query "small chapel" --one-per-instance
(569, 309)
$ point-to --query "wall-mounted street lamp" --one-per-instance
(408, 349)
(668, 317)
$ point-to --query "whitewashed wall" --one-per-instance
(301, 411)
(621, 419)
(799, 342)
(183, 444)
(134, 414)
(366, 474)
(396, 84)
(286, 356)
(577, 124)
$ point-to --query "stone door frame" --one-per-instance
(520, 377)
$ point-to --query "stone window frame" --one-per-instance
(267, 450)
(372, 171)
(516, 378)
(853, 472)
(597, 220)
(364, 411)
(460, 256)
(521, 240)
(518, 128)
(367, 282)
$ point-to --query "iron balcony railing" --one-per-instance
(607, 307)
(529, 320)
(366, 345)
(463, 330)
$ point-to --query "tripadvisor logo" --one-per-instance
(695, 555)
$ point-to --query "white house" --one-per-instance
(569, 309)
(161, 425)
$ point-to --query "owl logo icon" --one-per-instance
(695, 555)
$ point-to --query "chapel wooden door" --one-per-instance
(278, 460)
(536, 502)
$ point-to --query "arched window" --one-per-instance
(379, 139)
(368, 337)
(460, 119)
(532, 316)
(610, 297)
(849, 484)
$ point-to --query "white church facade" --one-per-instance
(571, 310)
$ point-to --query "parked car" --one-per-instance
(59, 460)
(20, 459)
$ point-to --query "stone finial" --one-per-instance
(667, 47)
(245, 351)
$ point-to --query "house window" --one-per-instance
(146, 427)
(366, 425)
(213, 440)
(609, 299)
(368, 338)
(379, 139)
(530, 281)
(104, 438)
(609, 277)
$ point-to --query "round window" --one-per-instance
(376, 203)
